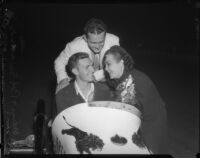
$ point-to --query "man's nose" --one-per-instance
(98, 46)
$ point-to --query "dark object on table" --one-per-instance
(118, 140)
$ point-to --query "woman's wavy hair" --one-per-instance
(120, 54)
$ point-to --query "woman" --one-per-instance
(134, 87)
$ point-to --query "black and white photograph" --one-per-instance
(104, 78)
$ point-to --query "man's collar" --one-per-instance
(78, 90)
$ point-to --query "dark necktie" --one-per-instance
(96, 61)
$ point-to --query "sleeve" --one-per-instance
(154, 123)
(117, 41)
(60, 63)
(114, 40)
(106, 93)
(59, 101)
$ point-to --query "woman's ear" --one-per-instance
(122, 61)
(75, 71)
(122, 64)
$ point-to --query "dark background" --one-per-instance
(161, 37)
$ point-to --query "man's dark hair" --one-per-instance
(73, 61)
(95, 26)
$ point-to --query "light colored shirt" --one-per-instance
(87, 97)
(80, 45)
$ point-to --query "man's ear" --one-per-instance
(75, 71)
(84, 37)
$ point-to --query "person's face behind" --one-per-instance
(85, 70)
(96, 41)
(113, 66)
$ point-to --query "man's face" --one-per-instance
(96, 41)
(85, 70)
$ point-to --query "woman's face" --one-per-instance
(114, 67)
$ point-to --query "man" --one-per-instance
(95, 42)
(81, 89)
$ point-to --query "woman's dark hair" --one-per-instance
(95, 26)
(120, 54)
(73, 61)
